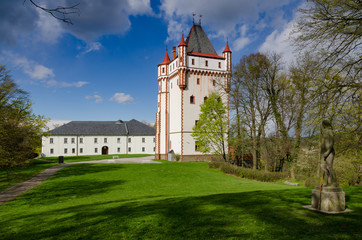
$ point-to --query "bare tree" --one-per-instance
(333, 27)
(61, 12)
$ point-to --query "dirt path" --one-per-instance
(20, 188)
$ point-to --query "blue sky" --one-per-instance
(104, 66)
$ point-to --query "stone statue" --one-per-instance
(327, 155)
(328, 197)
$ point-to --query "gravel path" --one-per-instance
(20, 188)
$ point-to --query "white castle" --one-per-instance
(184, 82)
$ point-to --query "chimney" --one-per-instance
(173, 53)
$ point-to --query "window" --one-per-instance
(193, 61)
(118, 140)
(143, 149)
(143, 140)
(96, 150)
(65, 140)
(154, 148)
(213, 82)
(73, 150)
(65, 150)
(95, 140)
(219, 64)
(171, 85)
(105, 140)
(51, 151)
(163, 70)
(196, 122)
(198, 81)
(206, 63)
(129, 149)
(129, 140)
(118, 150)
(205, 98)
(80, 140)
(73, 140)
(192, 99)
(80, 150)
(51, 140)
(154, 139)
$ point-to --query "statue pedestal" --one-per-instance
(332, 199)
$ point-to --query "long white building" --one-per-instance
(184, 82)
(78, 138)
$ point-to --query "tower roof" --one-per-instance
(182, 43)
(227, 49)
(166, 59)
(198, 42)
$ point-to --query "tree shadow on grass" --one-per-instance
(86, 168)
(246, 215)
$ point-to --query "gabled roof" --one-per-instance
(198, 42)
(133, 127)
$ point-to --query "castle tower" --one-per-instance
(183, 84)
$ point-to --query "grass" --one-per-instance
(170, 201)
(24, 173)
(95, 157)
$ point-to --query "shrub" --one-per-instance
(347, 169)
(177, 157)
(248, 172)
(311, 182)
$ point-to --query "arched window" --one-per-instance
(192, 100)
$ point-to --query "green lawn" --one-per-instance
(95, 157)
(170, 201)
(21, 174)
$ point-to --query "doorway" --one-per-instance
(104, 150)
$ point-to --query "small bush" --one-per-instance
(311, 182)
(177, 157)
(215, 164)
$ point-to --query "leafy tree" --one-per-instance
(211, 131)
(20, 129)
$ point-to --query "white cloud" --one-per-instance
(242, 41)
(51, 124)
(121, 98)
(50, 29)
(278, 41)
(97, 98)
(30, 67)
(91, 47)
(38, 73)
(96, 18)
(222, 18)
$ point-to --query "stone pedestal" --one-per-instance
(332, 199)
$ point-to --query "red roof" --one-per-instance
(166, 59)
(227, 49)
(182, 43)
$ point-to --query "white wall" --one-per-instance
(88, 146)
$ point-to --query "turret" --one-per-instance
(163, 67)
(182, 55)
(227, 55)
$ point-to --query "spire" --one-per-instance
(166, 59)
(182, 43)
(227, 49)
